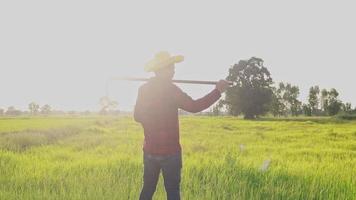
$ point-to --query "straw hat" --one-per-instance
(161, 60)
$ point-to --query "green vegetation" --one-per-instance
(101, 158)
(346, 116)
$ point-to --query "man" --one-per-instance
(156, 109)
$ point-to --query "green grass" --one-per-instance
(101, 158)
(38, 123)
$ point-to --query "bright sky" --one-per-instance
(61, 52)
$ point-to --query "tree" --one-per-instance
(324, 101)
(314, 99)
(292, 98)
(335, 104)
(285, 100)
(34, 108)
(252, 92)
(12, 111)
(347, 107)
(46, 109)
(107, 105)
(1, 111)
(277, 106)
(306, 110)
(217, 108)
(290, 95)
(330, 103)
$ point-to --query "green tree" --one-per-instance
(347, 107)
(34, 108)
(46, 109)
(334, 103)
(277, 107)
(252, 91)
(285, 100)
(307, 111)
(217, 108)
(330, 103)
(290, 97)
(324, 101)
(314, 99)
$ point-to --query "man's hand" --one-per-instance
(222, 85)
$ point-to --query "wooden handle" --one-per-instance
(175, 81)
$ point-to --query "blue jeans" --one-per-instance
(171, 166)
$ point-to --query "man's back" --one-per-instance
(156, 109)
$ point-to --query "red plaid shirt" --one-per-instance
(156, 109)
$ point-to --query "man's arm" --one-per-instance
(186, 103)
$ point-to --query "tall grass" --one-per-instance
(223, 158)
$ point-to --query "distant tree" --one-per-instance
(217, 108)
(334, 104)
(1, 111)
(296, 108)
(252, 91)
(107, 105)
(314, 99)
(307, 111)
(290, 98)
(12, 111)
(46, 109)
(324, 101)
(34, 108)
(347, 107)
(277, 107)
(285, 100)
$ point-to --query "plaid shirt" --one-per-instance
(156, 109)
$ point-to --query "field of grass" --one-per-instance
(223, 158)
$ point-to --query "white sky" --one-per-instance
(61, 52)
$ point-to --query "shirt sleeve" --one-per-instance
(186, 102)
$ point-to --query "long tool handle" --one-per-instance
(175, 81)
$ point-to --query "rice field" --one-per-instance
(223, 158)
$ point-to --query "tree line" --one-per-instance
(33, 109)
(254, 94)
(107, 107)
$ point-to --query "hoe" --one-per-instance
(175, 81)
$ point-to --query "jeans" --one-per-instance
(171, 166)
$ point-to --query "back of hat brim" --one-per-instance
(153, 65)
